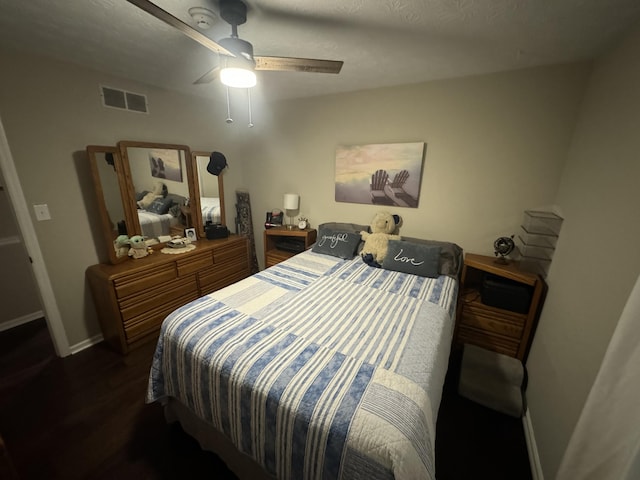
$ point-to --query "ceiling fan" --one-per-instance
(237, 54)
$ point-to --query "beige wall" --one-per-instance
(51, 111)
(597, 260)
(496, 145)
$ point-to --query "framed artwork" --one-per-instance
(380, 174)
(166, 164)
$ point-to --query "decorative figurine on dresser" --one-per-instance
(133, 296)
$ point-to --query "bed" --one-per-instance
(160, 213)
(210, 207)
(155, 224)
(317, 367)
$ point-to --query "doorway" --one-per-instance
(25, 238)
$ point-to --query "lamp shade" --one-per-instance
(291, 201)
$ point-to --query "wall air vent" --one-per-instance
(123, 100)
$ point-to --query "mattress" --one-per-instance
(210, 207)
(153, 224)
(317, 367)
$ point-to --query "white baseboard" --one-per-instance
(532, 447)
(89, 342)
(16, 322)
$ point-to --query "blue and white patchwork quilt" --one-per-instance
(318, 367)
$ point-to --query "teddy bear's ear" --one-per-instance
(397, 219)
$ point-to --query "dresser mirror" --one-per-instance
(160, 189)
(110, 187)
(209, 192)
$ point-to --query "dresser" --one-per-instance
(495, 328)
(133, 298)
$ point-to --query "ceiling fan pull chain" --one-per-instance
(229, 119)
(249, 101)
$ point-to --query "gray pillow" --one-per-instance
(422, 260)
(344, 227)
(337, 243)
(160, 206)
(347, 227)
(450, 255)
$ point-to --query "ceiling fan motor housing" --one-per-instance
(234, 12)
(240, 48)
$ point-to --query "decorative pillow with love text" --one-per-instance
(407, 257)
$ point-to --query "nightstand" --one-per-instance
(502, 328)
(282, 243)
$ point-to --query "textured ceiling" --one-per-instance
(382, 42)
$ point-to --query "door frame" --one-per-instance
(28, 233)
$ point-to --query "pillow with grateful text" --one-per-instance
(407, 257)
(337, 243)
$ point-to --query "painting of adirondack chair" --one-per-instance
(380, 174)
(397, 188)
(378, 184)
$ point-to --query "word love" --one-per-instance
(405, 259)
(333, 239)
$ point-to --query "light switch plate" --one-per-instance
(42, 212)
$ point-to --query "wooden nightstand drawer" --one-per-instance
(508, 325)
(485, 339)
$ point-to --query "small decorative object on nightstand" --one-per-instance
(303, 223)
(281, 243)
(499, 306)
(503, 246)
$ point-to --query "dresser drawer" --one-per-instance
(193, 263)
(220, 276)
(168, 293)
(149, 322)
(484, 339)
(230, 253)
(507, 325)
(135, 282)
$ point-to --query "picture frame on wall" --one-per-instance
(380, 174)
(166, 164)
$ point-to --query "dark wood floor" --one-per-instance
(84, 416)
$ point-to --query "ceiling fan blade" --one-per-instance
(208, 77)
(169, 19)
(290, 64)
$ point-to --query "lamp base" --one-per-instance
(289, 227)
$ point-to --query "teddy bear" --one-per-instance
(159, 191)
(376, 243)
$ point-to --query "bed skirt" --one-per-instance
(211, 440)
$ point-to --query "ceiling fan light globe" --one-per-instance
(237, 77)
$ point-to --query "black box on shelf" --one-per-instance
(290, 244)
(504, 293)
